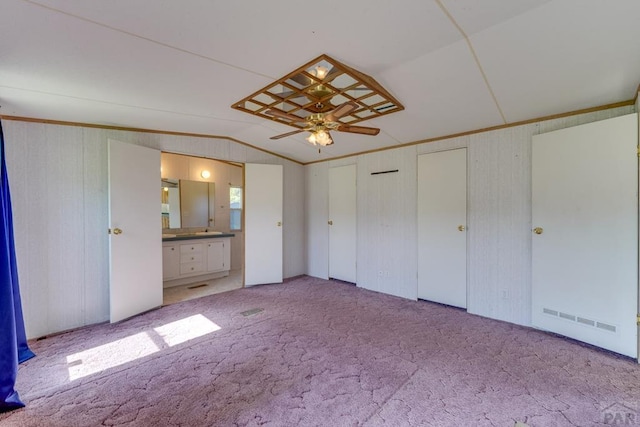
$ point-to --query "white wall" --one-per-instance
(499, 216)
(58, 179)
(387, 247)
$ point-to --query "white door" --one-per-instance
(263, 224)
(135, 240)
(342, 223)
(442, 219)
(585, 238)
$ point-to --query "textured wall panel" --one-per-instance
(294, 243)
(484, 226)
(386, 206)
(96, 223)
(445, 144)
(499, 224)
(50, 210)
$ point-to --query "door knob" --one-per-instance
(538, 230)
(117, 231)
(461, 228)
(330, 222)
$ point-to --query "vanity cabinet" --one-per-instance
(191, 259)
(218, 253)
(170, 262)
(186, 261)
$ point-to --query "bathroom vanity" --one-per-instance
(188, 258)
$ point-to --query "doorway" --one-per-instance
(220, 204)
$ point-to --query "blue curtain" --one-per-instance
(13, 339)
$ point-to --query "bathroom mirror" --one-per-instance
(187, 204)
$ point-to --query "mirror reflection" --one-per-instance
(187, 203)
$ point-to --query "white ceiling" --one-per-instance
(455, 65)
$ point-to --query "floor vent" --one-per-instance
(582, 320)
(197, 286)
(252, 312)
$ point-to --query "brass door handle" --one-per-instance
(330, 222)
(461, 228)
(538, 230)
(117, 231)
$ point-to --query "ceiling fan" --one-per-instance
(319, 124)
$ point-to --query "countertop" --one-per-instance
(193, 236)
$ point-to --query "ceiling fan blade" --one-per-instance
(283, 115)
(359, 129)
(302, 80)
(288, 93)
(340, 110)
(332, 74)
(284, 135)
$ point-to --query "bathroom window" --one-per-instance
(235, 208)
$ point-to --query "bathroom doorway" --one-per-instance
(219, 209)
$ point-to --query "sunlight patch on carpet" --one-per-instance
(137, 346)
(186, 329)
(109, 355)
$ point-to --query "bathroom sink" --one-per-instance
(168, 235)
(207, 233)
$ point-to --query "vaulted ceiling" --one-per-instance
(180, 66)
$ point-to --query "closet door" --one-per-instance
(342, 223)
(442, 218)
(263, 198)
(585, 233)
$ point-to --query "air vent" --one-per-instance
(567, 316)
(586, 321)
(606, 327)
(252, 312)
(582, 320)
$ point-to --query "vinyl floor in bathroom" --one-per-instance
(203, 288)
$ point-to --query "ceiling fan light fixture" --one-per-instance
(321, 72)
(320, 137)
